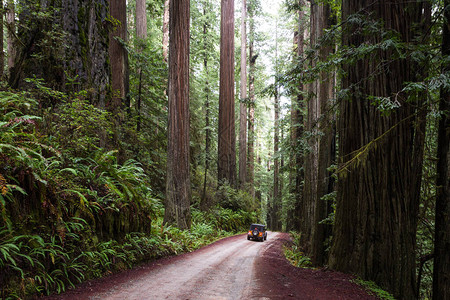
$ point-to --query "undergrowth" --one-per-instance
(374, 289)
(41, 265)
(70, 211)
(294, 253)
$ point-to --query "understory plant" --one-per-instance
(294, 253)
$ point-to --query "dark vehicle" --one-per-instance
(257, 232)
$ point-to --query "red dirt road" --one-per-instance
(232, 268)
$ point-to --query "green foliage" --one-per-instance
(235, 199)
(294, 254)
(79, 126)
(225, 219)
(372, 288)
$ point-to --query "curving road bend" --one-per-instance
(223, 270)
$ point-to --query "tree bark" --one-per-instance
(251, 107)
(243, 101)
(11, 26)
(178, 187)
(296, 159)
(141, 33)
(378, 197)
(441, 269)
(312, 156)
(119, 58)
(165, 41)
(84, 56)
(205, 204)
(276, 141)
(87, 49)
(320, 231)
(227, 135)
(141, 19)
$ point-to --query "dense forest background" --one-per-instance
(132, 130)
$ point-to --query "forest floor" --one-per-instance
(232, 268)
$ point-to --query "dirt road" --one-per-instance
(232, 268)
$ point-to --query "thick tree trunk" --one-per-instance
(276, 207)
(141, 33)
(320, 232)
(251, 107)
(441, 269)
(206, 204)
(378, 197)
(87, 51)
(178, 187)
(141, 19)
(243, 102)
(311, 157)
(227, 135)
(119, 58)
(296, 159)
(84, 55)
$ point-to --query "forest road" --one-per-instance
(231, 268)
(222, 270)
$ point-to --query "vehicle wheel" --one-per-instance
(248, 238)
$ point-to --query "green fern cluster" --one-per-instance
(294, 254)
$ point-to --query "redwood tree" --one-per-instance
(243, 100)
(325, 143)
(297, 128)
(119, 57)
(227, 135)
(178, 187)
(380, 153)
(441, 269)
(11, 26)
(165, 40)
(141, 33)
(251, 97)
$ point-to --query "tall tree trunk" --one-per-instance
(251, 107)
(276, 141)
(297, 121)
(205, 204)
(84, 55)
(441, 269)
(378, 198)
(141, 19)
(276, 165)
(296, 159)
(165, 41)
(141, 33)
(119, 58)
(11, 26)
(320, 231)
(178, 187)
(243, 101)
(227, 135)
(312, 157)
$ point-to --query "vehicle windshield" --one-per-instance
(257, 227)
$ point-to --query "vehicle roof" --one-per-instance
(258, 225)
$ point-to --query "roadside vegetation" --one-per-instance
(70, 211)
